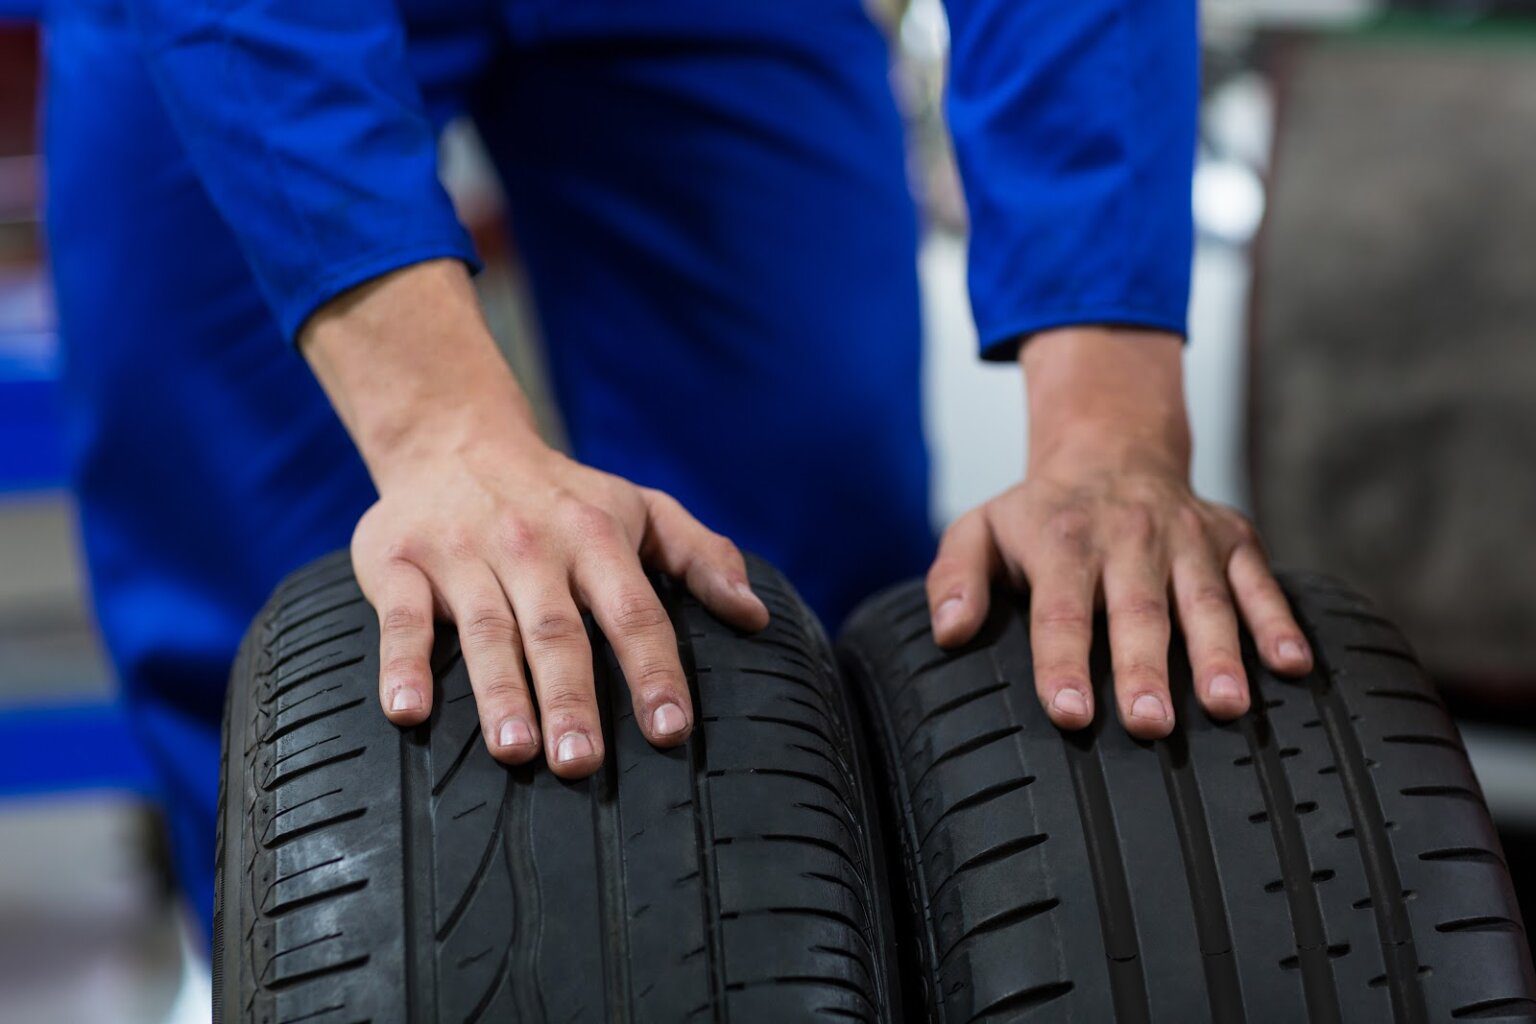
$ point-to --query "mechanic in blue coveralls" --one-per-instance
(710, 198)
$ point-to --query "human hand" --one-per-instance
(1105, 515)
(478, 522)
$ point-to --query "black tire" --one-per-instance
(369, 873)
(1327, 858)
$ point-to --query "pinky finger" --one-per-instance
(711, 566)
(1280, 642)
(405, 644)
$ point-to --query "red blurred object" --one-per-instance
(18, 89)
(19, 163)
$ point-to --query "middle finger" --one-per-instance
(1136, 600)
(560, 661)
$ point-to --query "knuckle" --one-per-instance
(639, 613)
(407, 550)
(565, 700)
(1191, 520)
(404, 618)
(402, 666)
(944, 567)
(1222, 659)
(555, 631)
(503, 690)
(1140, 607)
(490, 627)
(654, 674)
(1209, 598)
(1060, 615)
(1136, 524)
(1275, 624)
(518, 538)
(590, 522)
(1060, 671)
(1264, 594)
(459, 542)
(724, 552)
(1070, 527)
(1246, 533)
(1140, 674)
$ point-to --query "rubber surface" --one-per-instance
(1326, 858)
(373, 874)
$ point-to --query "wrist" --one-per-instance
(407, 437)
(1106, 395)
(412, 370)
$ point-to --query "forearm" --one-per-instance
(412, 369)
(1103, 393)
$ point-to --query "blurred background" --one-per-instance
(1362, 369)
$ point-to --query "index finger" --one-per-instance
(403, 601)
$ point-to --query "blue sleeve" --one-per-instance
(1074, 124)
(310, 135)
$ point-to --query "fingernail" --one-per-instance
(573, 747)
(1225, 687)
(948, 613)
(668, 720)
(1292, 650)
(514, 732)
(405, 699)
(1070, 702)
(1149, 707)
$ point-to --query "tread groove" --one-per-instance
(953, 704)
(1128, 983)
(1395, 693)
(1494, 1009)
(998, 922)
(607, 828)
(976, 799)
(492, 843)
(1205, 888)
(1393, 927)
(1025, 1000)
(523, 873)
(970, 746)
(1376, 650)
(470, 738)
(1311, 939)
(709, 872)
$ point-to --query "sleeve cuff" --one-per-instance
(295, 313)
(1000, 342)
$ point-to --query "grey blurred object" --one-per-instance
(1394, 335)
(86, 930)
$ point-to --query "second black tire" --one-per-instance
(1326, 858)
(370, 873)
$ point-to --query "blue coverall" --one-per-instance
(711, 201)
